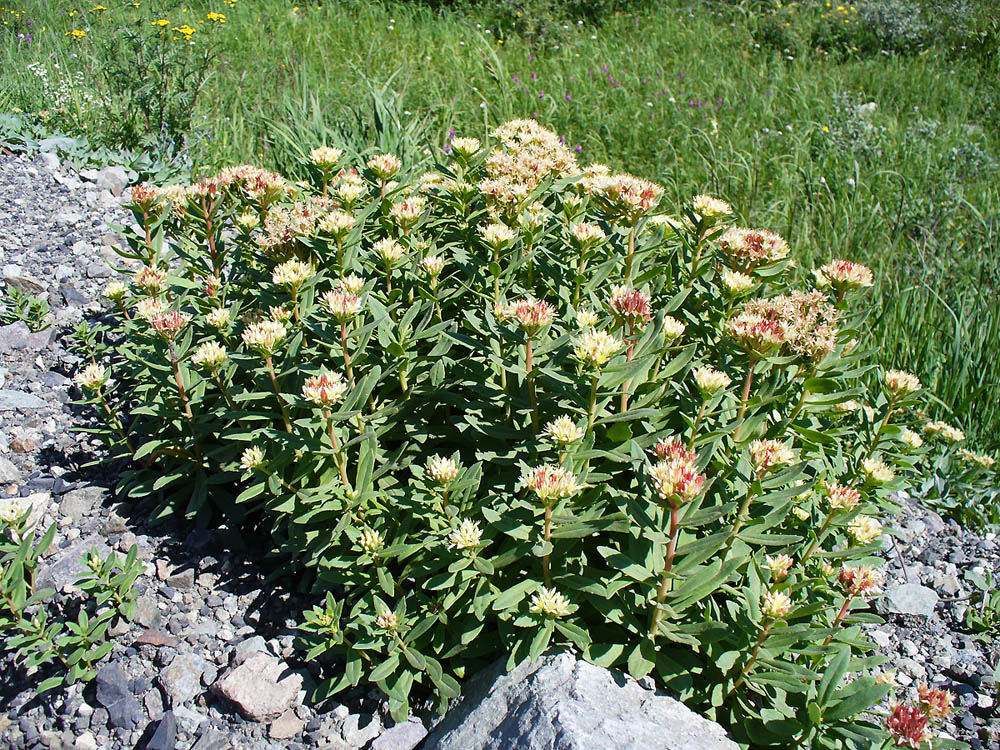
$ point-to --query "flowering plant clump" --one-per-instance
(517, 404)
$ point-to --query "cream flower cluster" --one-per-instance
(748, 248)
(595, 348)
(533, 315)
(900, 383)
(711, 381)
(776, 605)
(325, 389)
(944, 431)
(843, 275)
(769, 454)
(563, 430)
(676, 477)
(342, 304)
(209, 356)
(550, 603)
(442, 470)
(371, 541)
(551, 483)
(93, 377)
(265, 337)
(468, 535)
(710, 208)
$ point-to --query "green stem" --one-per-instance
(631, 252)
(837, 620)
(750, 662)
(341, 458)
(116, 423)
(741, 519)
(744, 399)
(175, 365)
(697, 423)
(347, 354)
(277, 393)
(665, 580)
(579, 276)
(819, 538)
(532, 395)
(547, 535)
(592, 408)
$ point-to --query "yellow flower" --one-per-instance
(76, 33)
(217, 17)
(161, 22)
(186, 30)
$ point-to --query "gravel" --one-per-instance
(205, 611)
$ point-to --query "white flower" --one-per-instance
(465, 147)
(390, 251)
(252, 458)
(93, 377)
(442, 470)
(551, 483)
(265, 337)
(901, 383)
(776, 605)
(498, 236)
(325, 157)
(877, 472)
(325, 389)
(218, 318)
(708, 207)
(550, 603)
(371, 541)
(864, 529)
(468, 535)
(672, 329)
(594, 348)
(737, 283)
(115, 291)
(586, 318)
(779, 565)
(210, 356)
(563, 430)
(387, 621)
(711, 381)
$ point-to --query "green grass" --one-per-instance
(918, 202)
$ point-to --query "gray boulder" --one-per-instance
(11, 400)
(262, 687)
(911, 599)
(562, 703)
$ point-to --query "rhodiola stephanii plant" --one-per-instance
(514, 404)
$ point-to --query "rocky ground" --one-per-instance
(209, 661)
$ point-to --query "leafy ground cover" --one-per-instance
(865, 131)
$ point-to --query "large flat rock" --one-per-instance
(562, 703)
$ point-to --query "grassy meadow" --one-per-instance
(851, 131)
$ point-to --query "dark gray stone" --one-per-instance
(212, 739)
(561, 703)
(181, 681)
(165, 736)
(123, 709)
